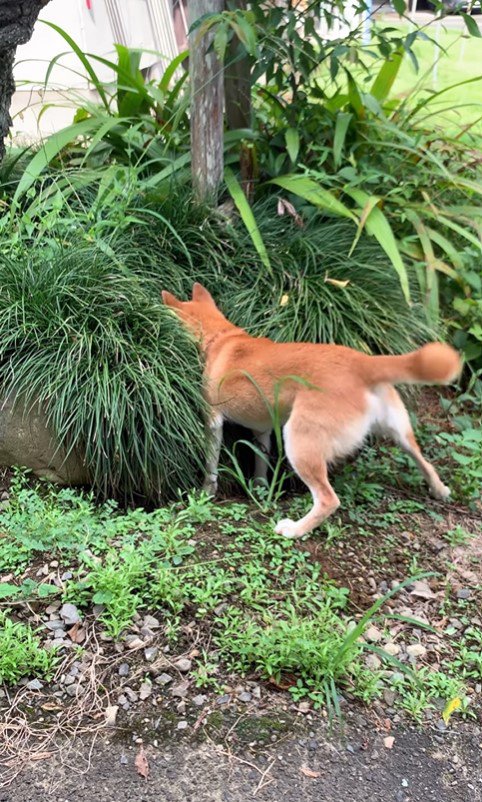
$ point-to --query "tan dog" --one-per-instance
(329, 398)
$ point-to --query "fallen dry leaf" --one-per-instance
(285, 207)
(422, 590)
(141, 763)
(388, 742)
(309, 772)
(337, 282)
(77, 633)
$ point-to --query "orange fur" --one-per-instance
(329, 397)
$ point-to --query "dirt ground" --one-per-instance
(306, 764)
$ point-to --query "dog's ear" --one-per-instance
(200, 293)
(170, 299)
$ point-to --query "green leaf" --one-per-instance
(400, 6)
(220, 41)
(7, 590)
(171, 69)
(308, 189)
(292, 138)
(386, 77)
(99, 86)
(343, 119)
(49, 149)
(378, 226)
(247, 216)
(471, 24)
(354, 96)
(245, 32)
(45, 590)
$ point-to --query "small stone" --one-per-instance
(180, 689)
(66, 575)
(151, 622)
(245, 696)
(199, 700)
(372, 634)
(391, 648)
(69, 614)
(4, 496)
(223, 700)
(182, 725)
(312, 744)
(145, 690)
(124, 670)
(163, 679)
(98, 609)
(416, 650)
(256, 691)
(464, 593)
(72, 690)
(131, 695)
(304, 707)
(111, 715)
(373, 662)
(123, 760)
(54, 624)
(134, 642)
(181, 707)
(122, 699)
(57, 643)
(405, 783)
(388, 742)
(151, 653)
(34, 685)
(389, 697)
(183, 664)
(70, 680)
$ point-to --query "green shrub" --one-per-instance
(20, 652)
(120, 381)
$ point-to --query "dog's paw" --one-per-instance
(288, 528)
(441, 492)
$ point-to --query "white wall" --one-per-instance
(145, 24)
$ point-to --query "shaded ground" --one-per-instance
(420, 767)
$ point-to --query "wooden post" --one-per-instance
(207, 101)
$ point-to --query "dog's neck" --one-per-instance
(214, 328)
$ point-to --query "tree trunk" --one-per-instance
(237, 84)
(17, 18)
(206, 105)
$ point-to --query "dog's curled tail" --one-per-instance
(434, 363)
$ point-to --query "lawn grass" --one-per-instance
(451, 57)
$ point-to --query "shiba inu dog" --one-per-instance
(329, 398)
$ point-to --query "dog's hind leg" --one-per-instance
(215, 434)
(395, 423)
(304, 450)
(261, 460)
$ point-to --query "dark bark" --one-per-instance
(17, 18)
(237, 84)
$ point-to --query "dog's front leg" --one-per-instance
(215, 434)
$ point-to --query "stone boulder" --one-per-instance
(26, 440)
